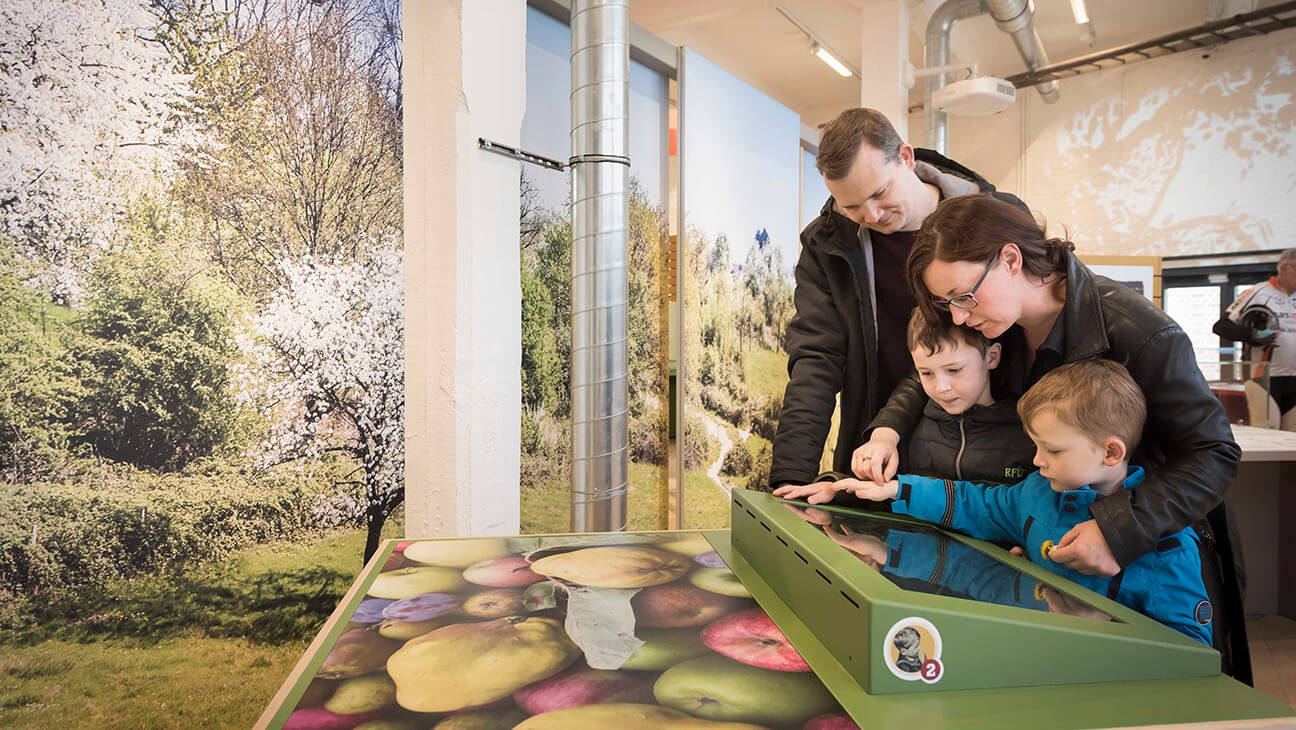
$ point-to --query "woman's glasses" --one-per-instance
(968, 300)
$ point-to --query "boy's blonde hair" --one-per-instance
(934, 337)
(1096, 397)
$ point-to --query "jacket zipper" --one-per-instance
(958, 460)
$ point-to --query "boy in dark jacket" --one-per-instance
(963, 433)
(1085, 418)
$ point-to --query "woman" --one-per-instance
(988, 265)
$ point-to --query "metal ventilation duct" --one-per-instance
(600, 165)
(1014, 17)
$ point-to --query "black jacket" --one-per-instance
(1187, 442)
(984, 444)
(832, 338)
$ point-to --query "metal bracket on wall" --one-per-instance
(1259, 22)
(517, 154)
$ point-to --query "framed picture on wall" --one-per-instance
(1140, 273)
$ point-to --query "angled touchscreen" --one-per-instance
(921, 558)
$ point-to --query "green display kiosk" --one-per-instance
(797, 618)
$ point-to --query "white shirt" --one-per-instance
(1279, 309)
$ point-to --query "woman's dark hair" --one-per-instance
(974, 228)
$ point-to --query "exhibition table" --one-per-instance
(795, 618)
(1263, 498)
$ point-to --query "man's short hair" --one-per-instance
(934, 337)
(840, 141)
(1287, 257)
(1096, 397)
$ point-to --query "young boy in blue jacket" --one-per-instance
(1085, 418)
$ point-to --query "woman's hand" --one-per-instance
(878, 459)
(816, 493)
(1085, 549)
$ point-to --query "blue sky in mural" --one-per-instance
(741, 157)
(813, 191)
(546, 126)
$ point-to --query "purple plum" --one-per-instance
(422, 607)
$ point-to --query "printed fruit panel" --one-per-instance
(585, 631)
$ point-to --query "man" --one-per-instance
(1264, 317)
(851, 293)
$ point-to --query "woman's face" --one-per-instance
(996, 308)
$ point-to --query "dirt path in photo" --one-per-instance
(718, 431)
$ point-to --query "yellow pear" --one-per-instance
(459, 553)
(466, 665)
(625, 717)
(614, 567)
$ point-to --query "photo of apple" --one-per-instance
(719, 580)
(367, 693)
(835, 721)
(583, 686)
(664, 648)
(318, 718)
(406, 630)
(752, 638)
(690, 545)
(502, 573)
(494, 603)
(719, 688)
(457, 553)
(614, 567)
(406, 582)
(676, 606)
(625, 716)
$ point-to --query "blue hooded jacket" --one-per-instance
(1164, 584)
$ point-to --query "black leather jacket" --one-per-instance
(832, 339)
(984, 444)
(1187, 443)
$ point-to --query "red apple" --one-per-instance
(583, 686)
(752, 638)
(675, 606)
(394, 561)
(400, 546)
(318, 718)
(831, 722)
(502, 573)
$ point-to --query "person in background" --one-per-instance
(850, 287)
(1264, 317)
(1086, 418)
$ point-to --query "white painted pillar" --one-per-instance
(464, 79)
(885, 37)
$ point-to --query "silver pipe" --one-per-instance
(1014, 17)
(936, 53)
(600, 165)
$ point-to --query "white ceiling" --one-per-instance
(753, 41)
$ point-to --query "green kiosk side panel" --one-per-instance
(890, 639)
(1107, 704)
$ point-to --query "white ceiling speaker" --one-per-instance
(977, 97)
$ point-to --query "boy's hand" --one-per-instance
(872, 491)
(879, 458)
(1085, 549)
(817, 493)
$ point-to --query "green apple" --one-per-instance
(718, 688)
(392, 723)
(491, 718)
(719, 580)
(692, 545)
(457, 553)
(362, 694)
(624, 716)
(664, 648)
(405, 630)
(407, 582)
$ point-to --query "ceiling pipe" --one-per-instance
(1014, 17)
(936, 54)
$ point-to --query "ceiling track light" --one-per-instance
(820, 48)
(1079, 12)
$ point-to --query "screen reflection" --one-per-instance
(920, 558)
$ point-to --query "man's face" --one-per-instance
(876, 193)
(958, 376)
(1067, 458)
(1287, 276)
